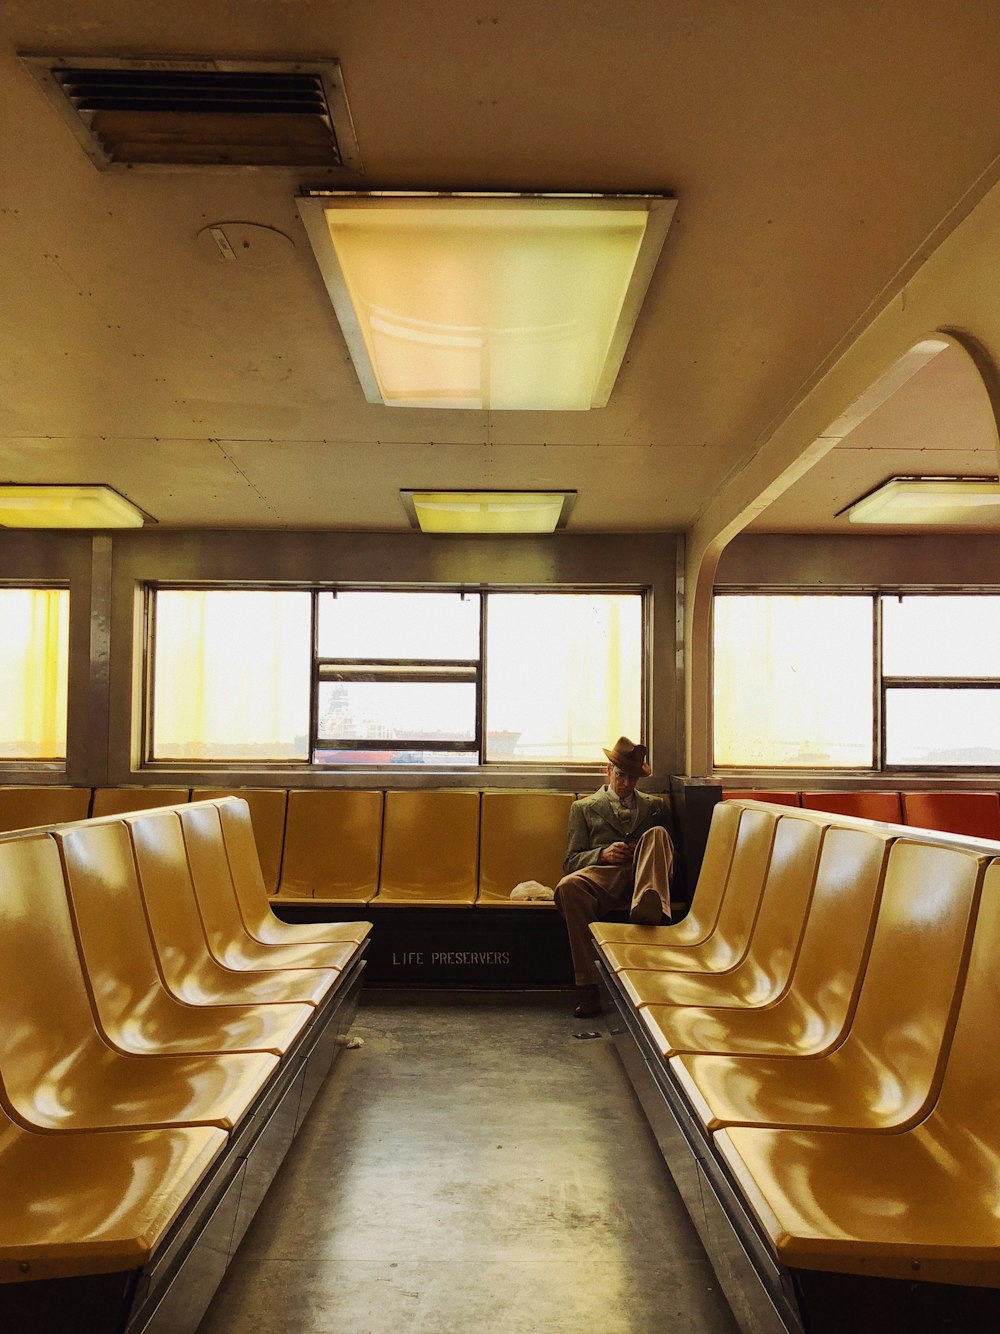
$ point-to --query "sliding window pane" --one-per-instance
(397, 711)
(793, 681)
(941, 636)
(231, 675)
(399, 626)
(563, 675)
(943, 727)
(34, 668)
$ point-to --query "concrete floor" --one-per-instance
(473, 1167)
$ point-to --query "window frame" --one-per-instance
(881, 683)
(322, 669)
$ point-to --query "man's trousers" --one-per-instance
(595, 892)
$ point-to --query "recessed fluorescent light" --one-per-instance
(487, 511)
(930, 500)
(66, 507)
(486, 301)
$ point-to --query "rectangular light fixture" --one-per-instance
(487, 511)
(949, 501)
(486, 301)
(27, 506)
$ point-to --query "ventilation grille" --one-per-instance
(202, 113)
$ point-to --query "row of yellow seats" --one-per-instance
(149, 1000)
(825, 1013)
(347, 846)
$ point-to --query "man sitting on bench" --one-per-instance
(619, 858)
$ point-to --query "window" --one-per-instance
(398, 678)
(859, 681)
(793, 681)
(374, 677)
(941, 680)
(231, 675)
(34, 669)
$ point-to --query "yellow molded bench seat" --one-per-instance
(134, 1010)
(93, 1203)
(29, 807)
(56, 1072)
(429, 848)
(763, 975)
(189, 970)
(522, 836)
(333, 839)
(920, 1206)
(886, 1073)
(228, 938)
(267, 816)
(699, 922)
(812, 1015)
(118, 800)
(251, 895)
(727, 945)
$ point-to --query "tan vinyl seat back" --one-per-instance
(244, 865)
(46, 1014)
(745, 882)
(168, 894)
(29, 807)
(828, 972)
(119, 800)
(267, 817)
(429, 847)
(111, 924)
(713, 877)
(785, 902)
(210, 875)
(333, 838)
(910, 991)
(969, 1103)
(522, 836)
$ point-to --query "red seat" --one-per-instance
(866, 805)
(975, 814)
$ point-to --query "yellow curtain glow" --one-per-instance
(34, 670)
(232, 673)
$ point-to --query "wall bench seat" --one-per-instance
(160, 1060)
(817, 1081)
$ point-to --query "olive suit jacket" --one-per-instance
(593, 825)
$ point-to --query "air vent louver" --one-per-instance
(203, 113)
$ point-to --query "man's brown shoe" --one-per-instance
(589, 1003)
(647, 909)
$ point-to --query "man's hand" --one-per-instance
(616, 853)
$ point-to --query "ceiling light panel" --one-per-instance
(66, 507)
(916, 501)
(499, 512)
(486, 301)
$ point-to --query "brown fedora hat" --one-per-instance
(631, 759)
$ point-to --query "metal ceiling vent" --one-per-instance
(202, 113)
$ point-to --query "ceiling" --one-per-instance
(812, 150)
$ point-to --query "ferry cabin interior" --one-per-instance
(784, 465)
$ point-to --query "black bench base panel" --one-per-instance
(172, 1292)
(765, 1296)
(461, 947)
